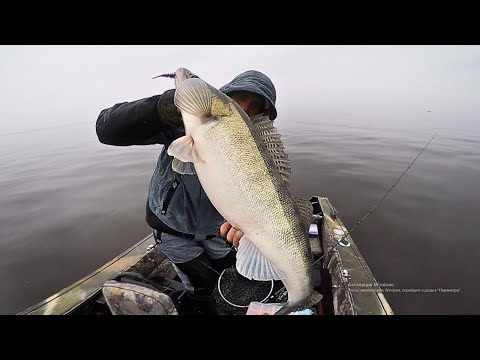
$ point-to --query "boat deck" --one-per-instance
(341, 274)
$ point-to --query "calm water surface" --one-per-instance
(69, 204)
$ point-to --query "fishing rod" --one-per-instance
(374, 206)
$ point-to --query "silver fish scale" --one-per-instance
(262, 188)
(249, 185)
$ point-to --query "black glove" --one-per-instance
(168, 111)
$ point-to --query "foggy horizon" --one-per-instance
(421, 86)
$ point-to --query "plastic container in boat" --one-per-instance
(258, 308)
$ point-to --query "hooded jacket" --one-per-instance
(176, 203)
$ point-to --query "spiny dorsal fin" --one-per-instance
(271, 138)
(306, 211)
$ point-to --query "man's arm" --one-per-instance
(152, 120)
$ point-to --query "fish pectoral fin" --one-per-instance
(253, 265)
(184, 150)
(194, 97)
(183, 167)
(305, 208)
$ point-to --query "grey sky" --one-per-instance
(43, 86)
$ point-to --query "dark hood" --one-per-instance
(256, 82)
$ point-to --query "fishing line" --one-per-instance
(375, 206)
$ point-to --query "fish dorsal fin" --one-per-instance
(271, 139)
(183, 167)
(184, 150)
(253, 265)
(305, 208)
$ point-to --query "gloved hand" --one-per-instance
(168, 111)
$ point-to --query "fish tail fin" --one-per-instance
(193, 96)
(288, 308)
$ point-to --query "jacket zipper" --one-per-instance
(169, 196)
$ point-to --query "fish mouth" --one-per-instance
(180, 76)
(183, 74)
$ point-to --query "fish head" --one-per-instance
(182, 74)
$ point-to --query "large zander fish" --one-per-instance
(242, 166)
